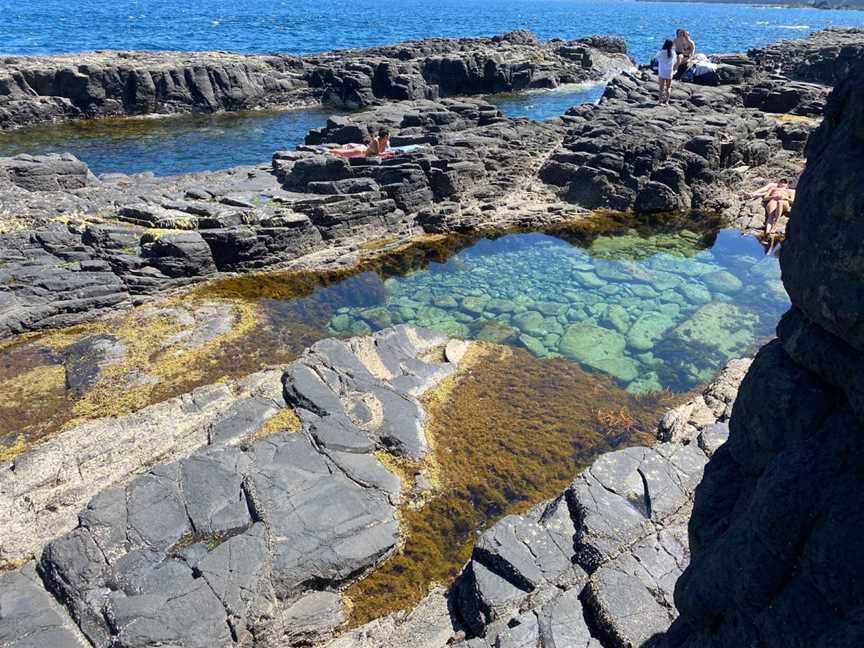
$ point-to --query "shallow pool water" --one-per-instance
(170, 145)
(189, 143)
(655, 310)
(543, 104)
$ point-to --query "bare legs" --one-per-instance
(774, 209)
(665, 86)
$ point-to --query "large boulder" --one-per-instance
(52, 172)
(777, 519)
(823, 260)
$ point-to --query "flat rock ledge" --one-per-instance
(595, 567)
(237, 529)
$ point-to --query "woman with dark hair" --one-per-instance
(665, 70)
(379, 144)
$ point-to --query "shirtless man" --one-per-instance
(777, 197)
(685, 48)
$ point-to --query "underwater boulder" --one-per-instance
(649, 329)
(723, 327)
(722, 281)
(600, 349)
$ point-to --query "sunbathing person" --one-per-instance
(378, 145)
(777, 197)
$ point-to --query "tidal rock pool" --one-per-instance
(655, 310)
(543, 104)
(655, 307)
(169, 145)
(589, 332)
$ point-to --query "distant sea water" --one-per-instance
(304, 26)
(209, 142)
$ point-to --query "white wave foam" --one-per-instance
(796, 27)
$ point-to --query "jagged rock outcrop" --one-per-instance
(778, 517)
(99, 84)
(826, 56)
(628, 153)
(118, 239)
(593, 568)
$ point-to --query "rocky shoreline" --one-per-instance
(237, 514)
(128, 564)
(76, 246)
(101, 84)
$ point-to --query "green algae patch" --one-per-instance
(508, 431)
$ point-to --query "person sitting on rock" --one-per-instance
(685, 50)
(665, 70)
(777, 197)
(378, 145)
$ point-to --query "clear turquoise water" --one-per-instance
(299, 26)
(653, 310)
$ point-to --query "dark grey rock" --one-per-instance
(782, 491)
(30, 617)
(623, 609)
(85, 360)
(53, 172)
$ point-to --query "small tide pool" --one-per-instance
(170, 145)
(543, 104)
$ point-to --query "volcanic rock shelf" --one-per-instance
(100, 84)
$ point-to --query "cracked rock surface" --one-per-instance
(246, 539)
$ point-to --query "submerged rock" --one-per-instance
(721, 327)
(648, 329)
(600, 349)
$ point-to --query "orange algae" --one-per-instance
(509, 432)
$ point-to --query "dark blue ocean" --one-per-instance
(302, 26)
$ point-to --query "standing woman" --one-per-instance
(666, 60)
